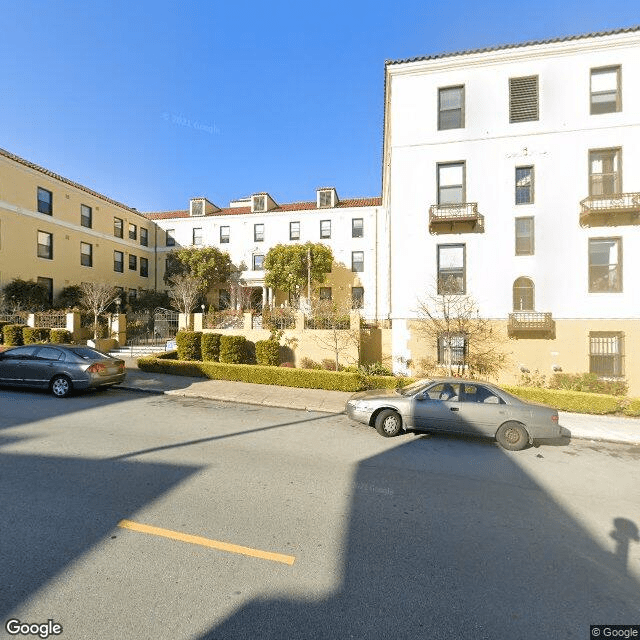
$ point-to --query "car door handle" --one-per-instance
(454, 408)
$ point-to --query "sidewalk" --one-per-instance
(583, 427)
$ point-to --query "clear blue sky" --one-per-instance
(152, 103)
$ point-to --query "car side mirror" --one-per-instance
(422, 396)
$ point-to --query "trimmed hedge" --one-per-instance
(189, 345)
(233, 350)
(60, 336)
(210, 346)
(12, 334)
(34, 335)
(268, 353)
(573, 401)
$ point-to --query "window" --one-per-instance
(605, 90)
(49, 353)
(524, 185)
(523, 295)
(133, 232)
(294, 231)
(524, 236)
(45, 201)
(604, 172)
(258, 262)
(325, 293)
(606, 352)
(197, 235)
(451, 269)
(452, 348)
(357, 261)
(451, 183)
(170, 237)
(357, 297)
(86, 254)
(325, 228)
(258, 233)
(325, 198)
(605, 265)
(451, 108)
(47, 285)
(259, 203)
(45, 245)
(86, 216)
(144, 267)
(523, 99)
(357, 227)
(144, 237)
(118, 227)
(133, 262)
(118, 261)
(224, 235)
(133, 295)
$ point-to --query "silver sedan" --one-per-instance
(60, 368)
(458, 406)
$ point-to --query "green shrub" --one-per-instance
(233, 350)
(34, 335)
(189, 345)
(308, 363)
(12, 334)
(588, 382)
(210, 346)
(631, 407)
(268, 352)
(61, 336)
(376, 369)
(574, 401)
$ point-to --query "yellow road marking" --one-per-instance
(206, 542)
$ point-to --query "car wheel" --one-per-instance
(512, 436)
(61, 386)
(388, 423)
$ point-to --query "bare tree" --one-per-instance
(185, 292)
(465, 341)
(96, 297)
(333, 322)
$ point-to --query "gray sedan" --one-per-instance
(60, 368)
(458, 406)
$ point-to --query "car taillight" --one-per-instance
(554, 418)
(97, 368)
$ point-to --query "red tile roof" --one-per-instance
(292, 206)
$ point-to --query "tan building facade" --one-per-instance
(59, 233)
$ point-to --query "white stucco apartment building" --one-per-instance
(516, 171)
(355, 229)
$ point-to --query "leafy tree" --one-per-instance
(287, 267)
(451, 320)
(96, 297)
(26, 295)
(208, 264)
(150, 300)
(69, 297)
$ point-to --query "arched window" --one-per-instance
(523, 295)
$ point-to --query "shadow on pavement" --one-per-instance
(440, 553)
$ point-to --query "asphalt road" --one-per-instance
(126, 515)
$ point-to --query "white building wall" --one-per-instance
(557, 145)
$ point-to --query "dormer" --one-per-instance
(199, 207)
(326, 198)
(262, 202)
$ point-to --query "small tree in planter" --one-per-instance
(185, 292)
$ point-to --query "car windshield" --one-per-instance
(414, 387)
(86, 353)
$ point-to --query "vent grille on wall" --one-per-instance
(523, 99)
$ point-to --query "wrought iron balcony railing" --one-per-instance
(530, 323)
(453, 213)
(609, 205)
